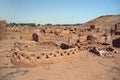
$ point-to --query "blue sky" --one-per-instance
(56, 11)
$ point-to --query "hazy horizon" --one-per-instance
(56, 12)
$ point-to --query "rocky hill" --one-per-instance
(104, 22)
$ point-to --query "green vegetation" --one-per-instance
(33, 24)
(21, 24)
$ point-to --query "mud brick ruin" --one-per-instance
(116, 40)
(3, 23)
(36, 45)
(3, 29)
(51, 43)
(27, 59)
(117, 29)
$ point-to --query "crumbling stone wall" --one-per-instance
(44, 37)
(92, 27)
(33, 59)
(35, 37)
(90, 37)
(116, 42)
(117, 29)
(117, 26)
(54, 38)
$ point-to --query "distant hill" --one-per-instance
(104, 22)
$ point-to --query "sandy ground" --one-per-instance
(81, 66)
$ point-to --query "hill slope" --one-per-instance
(103, 22)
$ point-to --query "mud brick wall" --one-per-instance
(48, 38)
(117, 26)
(33, 59)
(116, 42)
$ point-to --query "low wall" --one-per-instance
(32, 59)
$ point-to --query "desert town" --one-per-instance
(27, 51)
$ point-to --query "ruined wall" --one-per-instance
(116, 42)
(117, 29)
(117, 26)
(3, 30)
(49, 38)
(33, 59)
(3, 23)
(35, 37)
